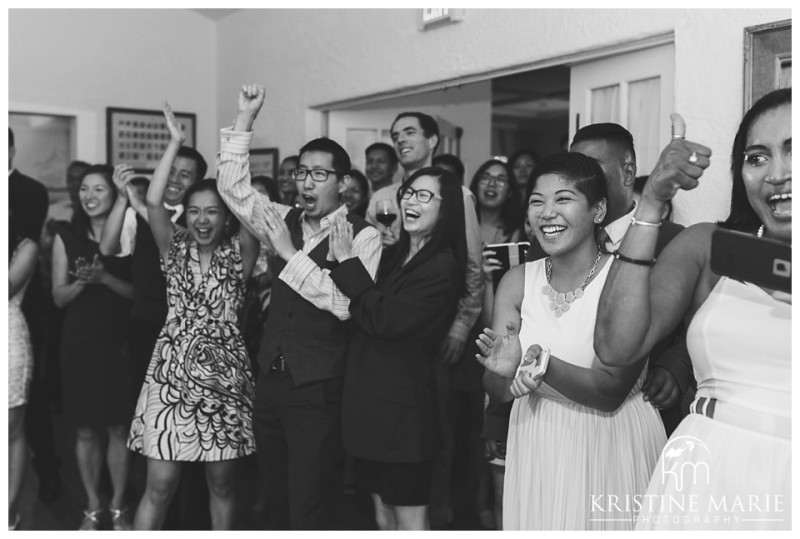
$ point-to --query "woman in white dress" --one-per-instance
(729, 461)
(22, 263)
(581, 433)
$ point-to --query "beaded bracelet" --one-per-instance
(619, 256)
(634, 221)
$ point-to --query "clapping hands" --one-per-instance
(341, 239)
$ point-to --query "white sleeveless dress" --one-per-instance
(732, 472)
(568, 466)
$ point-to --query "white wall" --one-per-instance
(82, 61)
(324, 62)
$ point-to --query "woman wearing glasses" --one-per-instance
(389, 414)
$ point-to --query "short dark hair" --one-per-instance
(584, 171)
(510, 212)
(428, 124)
(80, 222)
(609, 132)
(358, 177)
(386, 148)
(269, 185)
(341, 161)
(450, 160)
(191, 153)
(524, 151)
(743, 217)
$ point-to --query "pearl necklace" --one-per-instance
(560, 301)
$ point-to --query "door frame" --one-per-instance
(579, 56)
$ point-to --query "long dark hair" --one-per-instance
(743, 217)
(511, 211)
(448, 233)
(80, 223)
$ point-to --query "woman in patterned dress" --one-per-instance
(196, 402)
(23, 254)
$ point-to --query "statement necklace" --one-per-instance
(560, 301)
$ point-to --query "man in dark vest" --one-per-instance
(302, 357)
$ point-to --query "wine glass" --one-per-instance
(385, 212)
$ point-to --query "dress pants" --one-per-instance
(297, 432)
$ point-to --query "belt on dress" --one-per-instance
(741, 417)
(278, 364)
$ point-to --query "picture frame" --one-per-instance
(138, 137)
(264, 161)
(767, 59)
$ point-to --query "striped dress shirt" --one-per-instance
(301, 274)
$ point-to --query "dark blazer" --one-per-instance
(669, 353)
(389, 410)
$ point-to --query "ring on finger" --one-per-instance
(681, 137)
(693, 158)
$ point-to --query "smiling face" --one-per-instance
(560, 215)
(181, 176)
(319, 199)
(493, 189)
(419, 219)
(767, 170)
(413, 148)
(205, 218)
(379, 169)
(96, 196)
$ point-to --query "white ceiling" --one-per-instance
(215, 14)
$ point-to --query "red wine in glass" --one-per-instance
(385, 213)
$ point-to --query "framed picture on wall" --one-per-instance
(767, 59)
(139, 137)
(264, 162)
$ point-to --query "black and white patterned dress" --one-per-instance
(197, 400)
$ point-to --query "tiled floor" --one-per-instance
(351, 512)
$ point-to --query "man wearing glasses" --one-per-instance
(302, 356)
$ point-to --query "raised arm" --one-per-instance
(111, 242)
(639, 304)
(22, 265)
(233, 167)
(159, 217)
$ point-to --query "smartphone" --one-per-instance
(745, 257)
(509, 255)
(534, 369)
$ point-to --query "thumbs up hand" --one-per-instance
(680, 166)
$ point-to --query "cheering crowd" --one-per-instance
(331, 318)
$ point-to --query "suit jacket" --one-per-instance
(28, 203)
(670, 353)
(389, 410)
